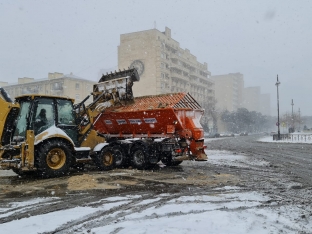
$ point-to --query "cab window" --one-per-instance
(65, 112)
(44, 115)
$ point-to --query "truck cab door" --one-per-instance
(41, 115)
(66, 119)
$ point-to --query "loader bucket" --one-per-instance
(131, 73)
(114, 89)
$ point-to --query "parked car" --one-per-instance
(243, 134)
(213, 135)
(226, 134)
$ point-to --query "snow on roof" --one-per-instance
(71, 76)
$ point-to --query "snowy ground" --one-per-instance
(226, 209)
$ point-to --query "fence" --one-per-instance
(294, 137)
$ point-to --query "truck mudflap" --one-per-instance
(197, 148)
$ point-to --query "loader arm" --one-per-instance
(8, 115)
(114, 89)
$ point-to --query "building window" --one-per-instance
(77, 96)
(88, 87)
(162, 76)
(77, 86)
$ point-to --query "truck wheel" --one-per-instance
(139, 157)
(53, 159)
(106, 160)
(121, 159)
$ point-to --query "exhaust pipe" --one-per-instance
(5, 95)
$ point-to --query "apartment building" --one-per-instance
(229, 91)
(56, 84)
(265, 104)
(251, 97)
(164, 67)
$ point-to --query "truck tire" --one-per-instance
(106, 160)
(120, 156)
(139, 157)
(53, 159)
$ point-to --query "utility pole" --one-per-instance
(299, 120)
(292, 115)
(278, 121)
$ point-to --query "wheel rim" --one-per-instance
(56, 158)
(138, 157)
(118, 156)
(108, 159)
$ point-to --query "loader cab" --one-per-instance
(40, 113)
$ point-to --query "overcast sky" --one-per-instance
(259, 39)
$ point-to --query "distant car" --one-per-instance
(243, 134)
(213, 135)
(223, 134)
(216, 134)
(226, 134)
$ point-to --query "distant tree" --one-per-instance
(290, 120)
(210, 114)
(243, 120)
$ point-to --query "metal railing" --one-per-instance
(294, 137)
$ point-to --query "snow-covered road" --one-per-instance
(214, 209)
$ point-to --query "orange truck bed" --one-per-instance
(165, 115)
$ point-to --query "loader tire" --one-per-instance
(139, 157)
(53, 159)
(105, 160)
(23, 173)
(121, 158)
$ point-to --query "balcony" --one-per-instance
(179, 78)
(30, 90)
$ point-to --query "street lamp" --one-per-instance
(299, 120)
(278, 121)
(292, 115)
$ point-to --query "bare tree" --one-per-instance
(209, 115)
(289, 120)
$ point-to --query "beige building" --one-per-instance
(265, 104)
(251, 97)
(229, 91)
(56, 84)
(163, 66)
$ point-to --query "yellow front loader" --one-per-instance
(49, 134)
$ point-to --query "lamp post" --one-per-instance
(299, 120)
(292, 115)
(278, 121)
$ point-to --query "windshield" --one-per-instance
(21, 124)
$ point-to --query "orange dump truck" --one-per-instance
(152, 128)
